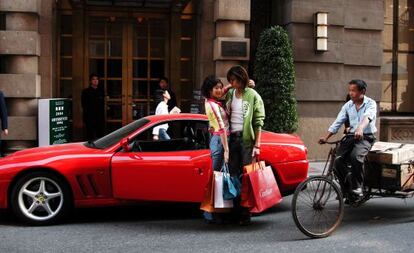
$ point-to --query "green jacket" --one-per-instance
(253, 113)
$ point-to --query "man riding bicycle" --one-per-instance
(361, 113)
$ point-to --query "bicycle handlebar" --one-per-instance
(338, 141)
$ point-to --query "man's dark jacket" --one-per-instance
(93, 103)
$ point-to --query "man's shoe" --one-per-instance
(245, 221)
(358, 192)
(245, 218)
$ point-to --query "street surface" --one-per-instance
(380, 225)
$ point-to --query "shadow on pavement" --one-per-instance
(167, 215)
(381, 212)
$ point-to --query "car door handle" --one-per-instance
(199, 171)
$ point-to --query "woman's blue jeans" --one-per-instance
(217, 152)
(163, 135)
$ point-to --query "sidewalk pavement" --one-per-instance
(316, 168)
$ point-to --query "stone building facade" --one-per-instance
(48, 49)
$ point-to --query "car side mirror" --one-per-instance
(125, 144)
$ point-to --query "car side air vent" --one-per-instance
(81, 185)
(87, 185)
(93, 185)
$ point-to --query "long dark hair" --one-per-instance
(208, 85)
(240, 74)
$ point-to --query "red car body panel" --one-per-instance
(109, 176)
(180, 176)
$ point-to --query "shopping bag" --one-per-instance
(264, 188)
(208, 202)
(219, 201)
(231, 185)
(236, 184)
(246, 194)
(253, 166)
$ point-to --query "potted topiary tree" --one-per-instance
(275, 74)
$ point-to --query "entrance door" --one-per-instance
(129, 56)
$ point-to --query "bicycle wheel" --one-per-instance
(317, 207)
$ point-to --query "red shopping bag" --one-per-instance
(265, 190)
(246, 195)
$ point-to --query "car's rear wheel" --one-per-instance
(40, 198)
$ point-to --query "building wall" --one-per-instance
(354, 46)
(354, 52)
(26, 55)
(205, 36)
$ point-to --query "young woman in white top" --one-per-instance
(160, 132)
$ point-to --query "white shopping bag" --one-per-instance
(219, 202)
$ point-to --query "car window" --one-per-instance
(183, 134)
(116, 136)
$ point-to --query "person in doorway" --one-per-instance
(247, 114)
(164, 85)
(160, 132)
(361, 112)
(93, 105)
(3, 118)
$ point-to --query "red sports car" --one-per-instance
(41, 185)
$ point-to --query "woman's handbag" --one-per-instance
(231, 185)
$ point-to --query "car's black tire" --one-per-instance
(41, 198)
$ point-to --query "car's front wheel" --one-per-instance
(40, 198)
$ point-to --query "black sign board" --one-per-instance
(234, 48)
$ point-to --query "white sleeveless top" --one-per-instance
(236, 120)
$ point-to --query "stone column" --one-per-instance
(20, 48)
(231, 47)
(205, 36)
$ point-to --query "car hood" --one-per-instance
(50, 151)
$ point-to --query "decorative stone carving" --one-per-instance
(397, 129)
(402, 134)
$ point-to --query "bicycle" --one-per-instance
(318, 202)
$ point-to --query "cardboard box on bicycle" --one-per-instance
(391, 153)
(393, 177)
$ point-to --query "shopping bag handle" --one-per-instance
(225, 168)
(256, 162)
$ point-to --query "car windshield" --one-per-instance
(116, 136)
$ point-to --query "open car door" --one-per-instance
(167, 170)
